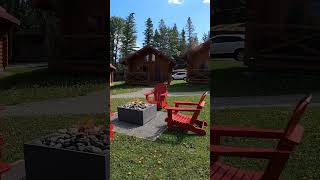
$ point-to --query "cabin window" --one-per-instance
(153, 58)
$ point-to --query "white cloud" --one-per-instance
(175, 1)
(206, 1)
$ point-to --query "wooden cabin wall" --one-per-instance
(80, 16)
(163, 70)
(3, 50)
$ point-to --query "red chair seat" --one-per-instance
(219, 171)
(182, 118)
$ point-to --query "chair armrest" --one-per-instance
(181, 109)
(177, 103)
(219, 131)
(249, 152)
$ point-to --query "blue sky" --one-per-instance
(171, 11)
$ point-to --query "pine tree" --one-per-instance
(156, 39)
(129, 36)
(190, 32)
(182, 42)
(164, 37)
(174, 40)
(116, 34)
(205, 37)
(148, 33)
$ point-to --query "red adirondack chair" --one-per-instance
(4, 167)
(111, 127)
(187, 122)
(160, 92)
(278, 157)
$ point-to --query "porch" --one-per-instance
(198, 76)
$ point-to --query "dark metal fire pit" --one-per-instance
(47, 158)
(137, 112)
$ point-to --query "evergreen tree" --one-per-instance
(116, 34)
(129, 37)
(205, 37)
(174, 40)
(190, 32)
(164, 37)
(156, 39)
(182, 42)
(148, 33)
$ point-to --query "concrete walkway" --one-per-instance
(140, 94)
(97, 102)
(260, 101)
(93, 103)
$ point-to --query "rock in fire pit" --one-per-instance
(74, 153)
(91, 140)
(137, 112)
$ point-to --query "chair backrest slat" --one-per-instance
(292, 136)
(160, 89)
(202, 100)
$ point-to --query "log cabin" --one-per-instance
(8, 24)
(197, 60)
(148, 66)
(111, 72)
(283, 37)
(81, 41)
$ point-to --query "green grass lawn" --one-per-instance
(183, 86)
(173, 155)
(29, 85)
(304, 163)
(122, 88)
(231, 78)
(19, 130)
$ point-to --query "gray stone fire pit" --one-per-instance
(73, 153)
(137, 112)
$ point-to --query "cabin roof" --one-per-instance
(5, 16)
(192, 51)
(112, 67)
(144, 51)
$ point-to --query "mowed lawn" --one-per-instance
(232, 78)
(28, 85)
(183, 86)
(123, 88)
(20, 130)
(174, 155)
(304, 163)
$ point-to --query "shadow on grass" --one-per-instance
(238, 81)
(177, 136)
(46, 78)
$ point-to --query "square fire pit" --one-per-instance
(69, 154)
(137, 112)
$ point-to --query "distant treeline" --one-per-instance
(171, 41)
